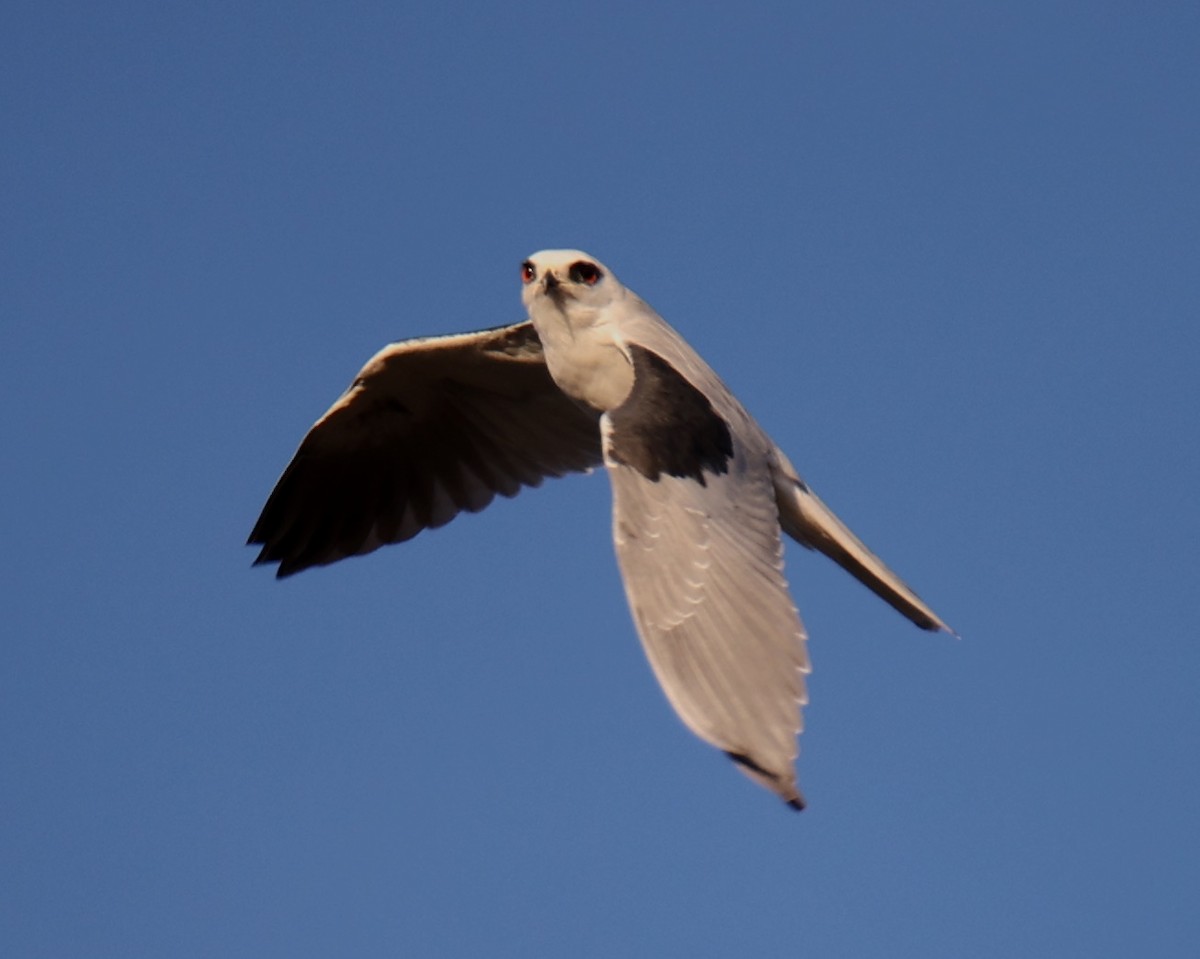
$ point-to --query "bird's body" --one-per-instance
(700, 492)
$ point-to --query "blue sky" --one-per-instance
(946, 253)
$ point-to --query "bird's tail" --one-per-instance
(813, 524)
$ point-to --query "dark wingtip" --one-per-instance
(785, 788)
(265, 558)
(793, 798)
(258, 535)
(285, 570)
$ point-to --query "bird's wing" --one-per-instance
(698, 542)
(430, 427)
(804, 517)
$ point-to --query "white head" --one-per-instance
(570, 283)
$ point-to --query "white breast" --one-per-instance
(587, 363)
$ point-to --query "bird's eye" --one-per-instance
(585, 272)
(527, 272)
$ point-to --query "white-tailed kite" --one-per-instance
(432, 427)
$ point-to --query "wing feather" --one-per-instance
(430, 428)
(703, 570)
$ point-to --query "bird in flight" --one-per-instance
(436, 426)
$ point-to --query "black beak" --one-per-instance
(554, 288)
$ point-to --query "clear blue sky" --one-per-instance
(949, 256)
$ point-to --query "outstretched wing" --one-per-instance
(429, 428)
(698, 542)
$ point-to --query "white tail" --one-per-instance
(813, 524)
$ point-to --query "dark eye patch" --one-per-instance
(585, 272)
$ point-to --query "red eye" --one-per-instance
(527, 272)
(585, 272)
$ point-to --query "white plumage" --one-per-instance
(436, 426)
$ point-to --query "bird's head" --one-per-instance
(569, 282)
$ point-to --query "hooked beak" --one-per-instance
(552, 286)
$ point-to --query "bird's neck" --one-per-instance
(583, 355)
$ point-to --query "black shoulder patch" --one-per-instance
(666, 425)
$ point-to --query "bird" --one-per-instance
(437, 426)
